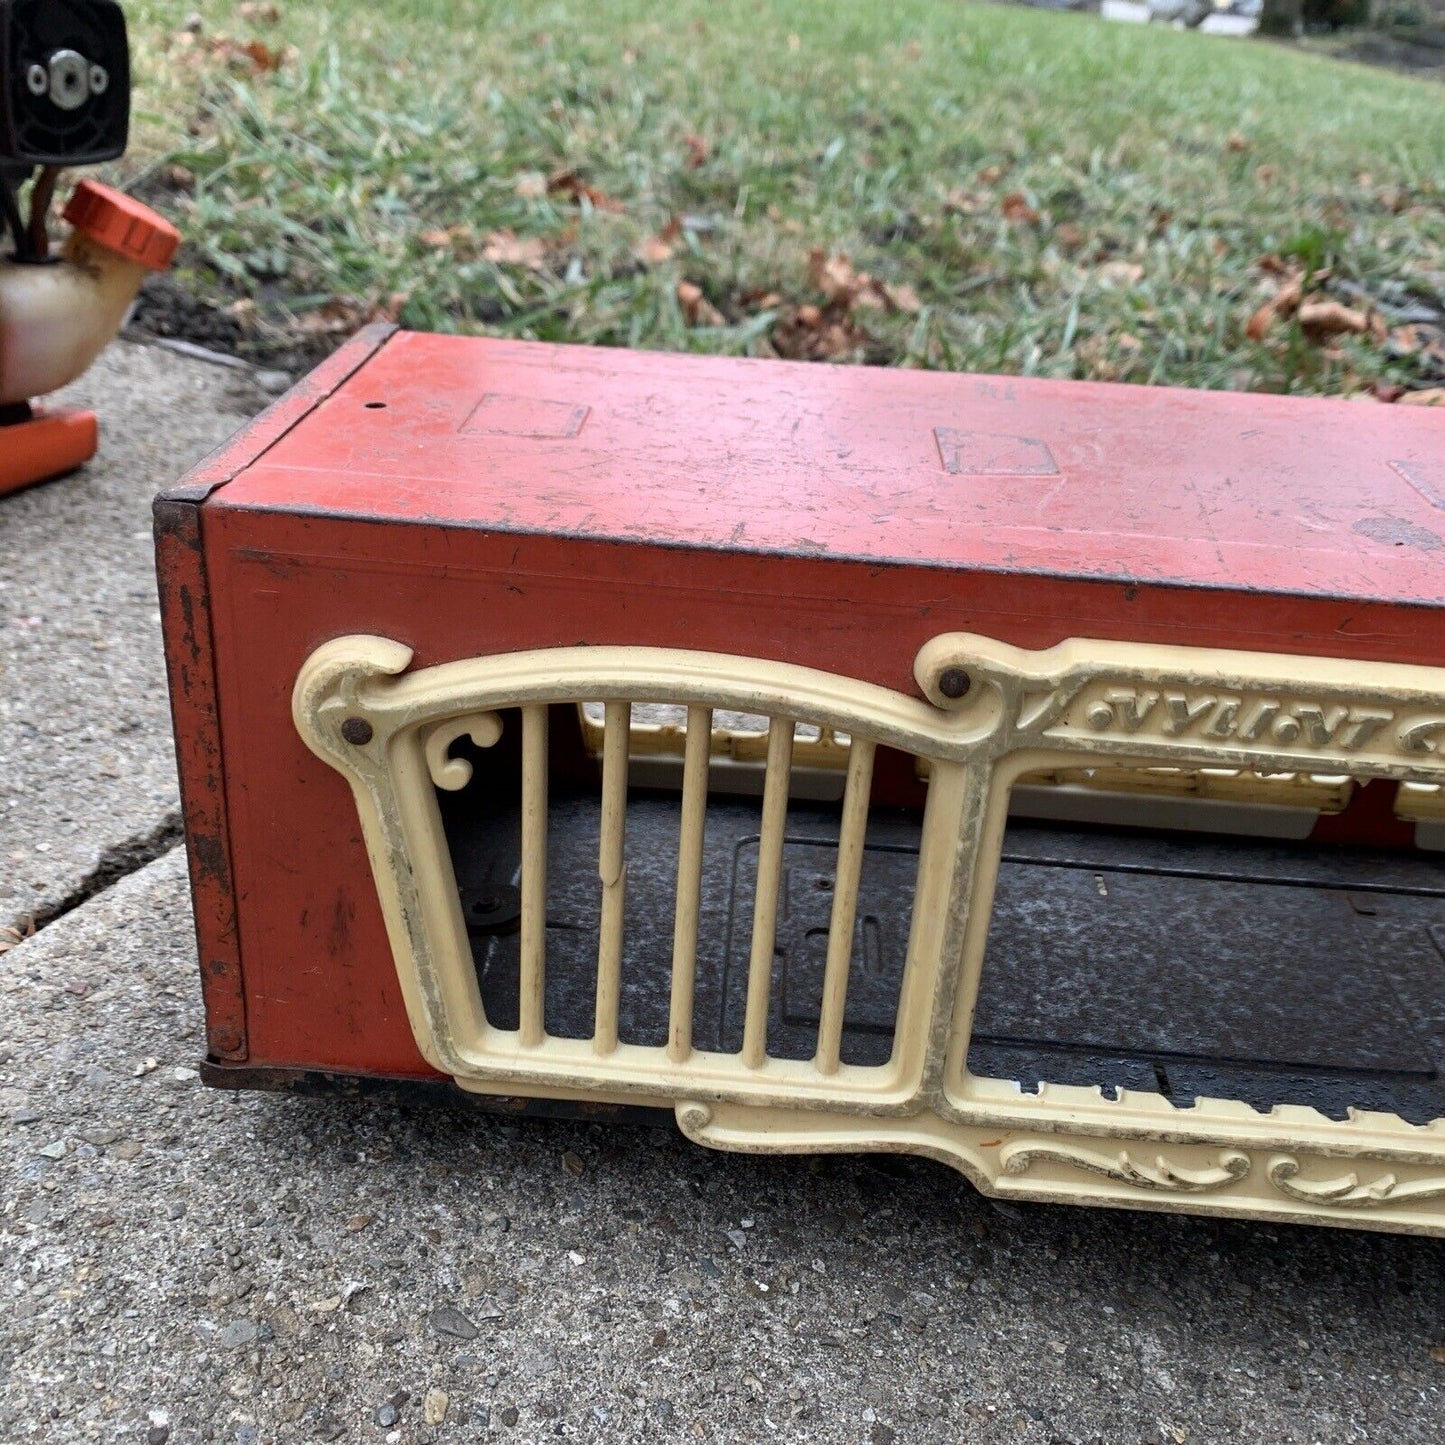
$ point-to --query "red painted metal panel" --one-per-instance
(1144, 484)
(670, 502)
(185, 598)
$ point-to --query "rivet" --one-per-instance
(357, 731)
(954, 682)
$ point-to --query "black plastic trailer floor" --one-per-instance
(1184, 965)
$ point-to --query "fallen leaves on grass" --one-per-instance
(1017, 211)
(506, 248)
(698, 150)
(813, 333)
(1425, 343)
(1321, 320)
(696, 308)
(844, 288)
(341, 315)
(1236, 144)
(1283, 304)
(570, 186)
(1120, 273)
(250, 57)
(966, 203)
(659, 248)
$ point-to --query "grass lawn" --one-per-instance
(1028, 192)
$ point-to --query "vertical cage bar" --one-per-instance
(612, 867)
(532, 984)
(852, 831)
(765, 904)
(689, 881)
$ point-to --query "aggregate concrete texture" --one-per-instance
(183, 1265)
(87, 778)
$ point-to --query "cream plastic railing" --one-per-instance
(993, 715)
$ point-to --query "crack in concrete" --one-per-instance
(118, 861)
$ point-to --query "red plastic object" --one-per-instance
(471, 496)
(49, 445)
(123, 225)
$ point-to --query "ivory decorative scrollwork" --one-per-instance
(1018, 1158)
(989, 714)
(1346, 1191)
(451, 774)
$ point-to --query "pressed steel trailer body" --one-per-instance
(1043, 777)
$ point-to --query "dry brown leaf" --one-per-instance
(14, 937)
(1069, 236)
(1236, 143)
(1431, 396)
(1319, 320)
(569, 184)
(1265, 174)
(388, 309)
(259, 13)
(530, 185)
(913, 50)
(1257, 328)
(834, 275)
(966, 203)
(339, 313)
(654, 251)
(902, 298)
(808, 333)
(698, 310)
(1017, 211)
(989, 175)
(1120, 273)
(1282, 305)
(506, 248)
(264, 59)
(1407, 340)
(698, 150)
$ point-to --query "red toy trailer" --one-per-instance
(1044, 777)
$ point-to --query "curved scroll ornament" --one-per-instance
(1346, 1191)
(1163, 1174)
(452, 774)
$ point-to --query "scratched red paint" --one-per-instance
(1199, 488)
(803, 513)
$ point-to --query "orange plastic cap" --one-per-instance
(120, 224)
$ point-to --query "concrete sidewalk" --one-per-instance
(87, 777)
(257, 1268)
(187, 1266)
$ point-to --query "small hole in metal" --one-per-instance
(376, 406)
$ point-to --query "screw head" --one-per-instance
(356, 731)
(37, 79)
(954, 682)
